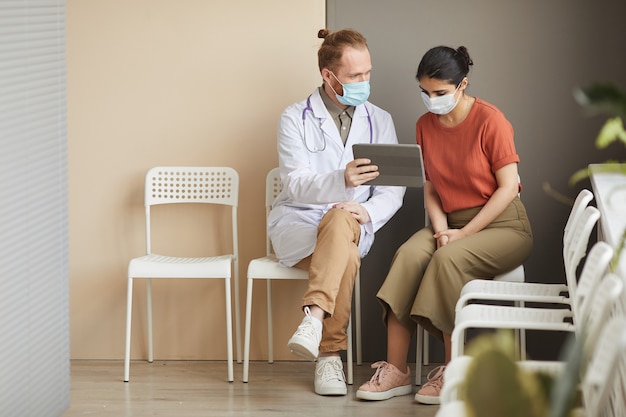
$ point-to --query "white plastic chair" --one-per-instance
(521, 292)
(537, 292)
(596, 312)
(574, 250)
(183, 185)
(488, 316)
(593, 313)
(269, 269)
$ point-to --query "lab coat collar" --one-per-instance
(359, 130)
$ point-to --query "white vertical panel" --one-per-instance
(34, 320)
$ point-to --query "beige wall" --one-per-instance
(193, 82)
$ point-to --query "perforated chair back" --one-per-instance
(171, 185)
(602, 304)
(216, 185)
(577, 249)
(582, 200)
(596, 266)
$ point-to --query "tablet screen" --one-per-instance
(398, 164)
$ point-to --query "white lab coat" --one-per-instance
(314, 181)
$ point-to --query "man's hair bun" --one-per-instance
(323, 33)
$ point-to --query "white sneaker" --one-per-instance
(305, 342)
(329, 376)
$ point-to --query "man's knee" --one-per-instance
(338, 221)
(335, 215)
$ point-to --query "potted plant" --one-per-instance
(610, 100)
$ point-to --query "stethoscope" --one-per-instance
(309, 108)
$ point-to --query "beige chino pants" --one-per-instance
(332, 271)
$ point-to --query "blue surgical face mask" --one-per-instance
(441, 104)
(354, 94)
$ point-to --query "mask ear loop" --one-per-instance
(459, 86)
(330, 85)
(466, 85)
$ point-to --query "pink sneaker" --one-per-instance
(387, 382)
(429, 393)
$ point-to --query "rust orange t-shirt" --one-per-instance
(461, 161)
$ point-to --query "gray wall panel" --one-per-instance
(528, 57)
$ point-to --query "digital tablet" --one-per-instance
(398, 164)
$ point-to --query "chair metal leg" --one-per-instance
(349, 358)
(229, 329)
(129, 315)
(246, 342)
(235, 284)
(270, 326)
(149, 308)
(521, 336)
(419, 343)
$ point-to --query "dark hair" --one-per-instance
(446, 64)
(331, 51)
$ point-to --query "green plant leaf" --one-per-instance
(602, 98)
(612, 130)
(608, 166)
(578, 176)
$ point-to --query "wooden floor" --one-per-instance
(193, 388)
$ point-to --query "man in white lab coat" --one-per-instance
(326, 215)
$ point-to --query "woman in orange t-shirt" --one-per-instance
(478, 225)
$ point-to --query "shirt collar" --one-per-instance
(332, 108)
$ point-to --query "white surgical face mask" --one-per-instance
(441, 104)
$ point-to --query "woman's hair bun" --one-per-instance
(323, 33)
(465, 54)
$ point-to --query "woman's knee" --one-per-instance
(421, 245)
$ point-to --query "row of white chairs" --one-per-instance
(220, 185)
(587, 303)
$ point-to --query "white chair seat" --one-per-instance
(512, 291)
(269, 268)
(552, 368)
(504, 317)
(159, 266)
(501, 317)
